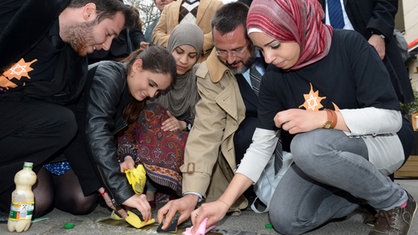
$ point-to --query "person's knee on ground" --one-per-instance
(78, 205)
(69, 196)
(43, 129)
(44, 194)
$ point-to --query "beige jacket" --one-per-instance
(170, 18)
(209, 161)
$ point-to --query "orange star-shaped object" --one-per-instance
(19, 70)
(6, 83)
(312, 101)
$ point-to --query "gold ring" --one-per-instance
(197, 214)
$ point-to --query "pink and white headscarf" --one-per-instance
(293, 20)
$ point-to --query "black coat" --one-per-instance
(378, 16)
(106, 99)
(31, 25)
(17, 35)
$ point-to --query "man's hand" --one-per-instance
(379, 44)
(184, 206)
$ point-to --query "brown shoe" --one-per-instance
(395, 221)
(369, 215)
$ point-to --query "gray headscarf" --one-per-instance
(186, 34)
(182, 97)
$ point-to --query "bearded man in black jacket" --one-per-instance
(43, 48)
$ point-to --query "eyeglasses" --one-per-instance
(234, 52)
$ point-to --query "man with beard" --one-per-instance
(225, 116)
(43, 48)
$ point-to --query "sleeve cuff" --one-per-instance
(195, 193)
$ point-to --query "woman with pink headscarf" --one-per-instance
(329, 95)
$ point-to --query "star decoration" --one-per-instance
(312, 100)
(19, 70)
(6, 83)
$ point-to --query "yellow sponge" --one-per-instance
(132, 219)
(115, 216)
(136, 222)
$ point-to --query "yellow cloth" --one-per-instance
(137, 178)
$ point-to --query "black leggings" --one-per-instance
(62, 192)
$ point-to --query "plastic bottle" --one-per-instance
(22, 206)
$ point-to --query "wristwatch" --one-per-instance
(188, 126)
(382, 36)
(331, 119)
(378, 34)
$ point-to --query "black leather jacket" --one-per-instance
(106, 98)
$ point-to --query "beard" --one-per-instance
(245, 64)
(80, 37)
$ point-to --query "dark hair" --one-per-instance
(246, 2)
(107, 9)
(229, 17)
(155, 59)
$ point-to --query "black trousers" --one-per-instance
(38, 132)
(30, 131)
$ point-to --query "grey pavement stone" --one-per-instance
(248, 223)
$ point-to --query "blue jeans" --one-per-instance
(330, 177)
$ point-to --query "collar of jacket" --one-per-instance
(216, 68)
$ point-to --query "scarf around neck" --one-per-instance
(182, 97)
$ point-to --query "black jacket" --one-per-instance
(23, 23)
(106, 99)
(378, 16)
(29, 30)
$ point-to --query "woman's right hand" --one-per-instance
(128, 163)
(172, 123)
(140, 202)
(298, 120)
(215, 211)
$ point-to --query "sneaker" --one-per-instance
(369, 215)
(395, 221)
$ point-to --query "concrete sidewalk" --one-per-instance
(248, 223)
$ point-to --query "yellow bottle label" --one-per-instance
(21, 210)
